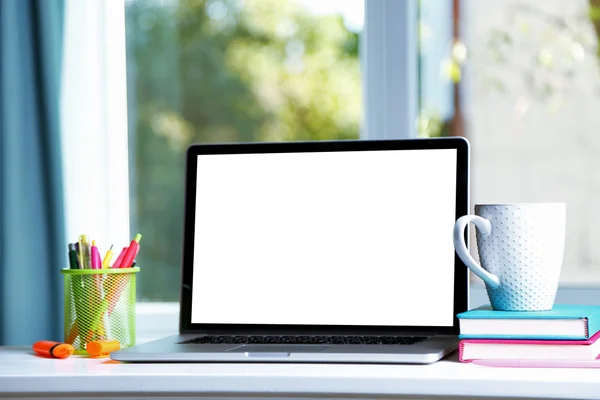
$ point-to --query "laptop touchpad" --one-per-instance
(278, 348)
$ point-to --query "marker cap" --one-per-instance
(63, 350)
(102, 347)
(48, 348)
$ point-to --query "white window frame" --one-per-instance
(94, 122)
(389, 46)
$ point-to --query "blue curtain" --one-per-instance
(32, 244)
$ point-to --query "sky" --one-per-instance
(353, 11)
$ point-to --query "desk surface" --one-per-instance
(24, 374)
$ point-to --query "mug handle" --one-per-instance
(485, 228)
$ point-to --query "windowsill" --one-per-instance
(23, 376)
(158, 320)
(584, 276)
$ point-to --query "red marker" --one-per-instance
(119, 259)
(132, 251)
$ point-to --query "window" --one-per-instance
(518, 78)
(226, 71)
(530, 91)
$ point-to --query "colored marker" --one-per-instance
(80, 253)
(73, 262)
(114, 292)
(117, 263)
(107, 257)
(97, 319)
(102, 347)
(96, 261)
(132, 251)
(53, 349)
(87, 257)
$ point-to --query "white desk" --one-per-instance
(24, 375)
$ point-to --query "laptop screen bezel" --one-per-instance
(461, 276)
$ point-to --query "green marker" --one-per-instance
(73, 258)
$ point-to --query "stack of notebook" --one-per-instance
(567, 332)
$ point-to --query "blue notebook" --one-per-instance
(563, 322)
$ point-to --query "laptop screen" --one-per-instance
(361, 238)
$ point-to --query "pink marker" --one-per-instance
(96, 260)
(117, 263)
(539, 363)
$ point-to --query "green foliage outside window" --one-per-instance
(203, 71)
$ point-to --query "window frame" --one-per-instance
(390, 99)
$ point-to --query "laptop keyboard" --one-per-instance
(393, 340)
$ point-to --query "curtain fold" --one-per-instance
(32, 239)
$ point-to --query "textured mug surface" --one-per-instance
(521, 250)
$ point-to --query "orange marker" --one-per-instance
(102, 347)
(53, 349)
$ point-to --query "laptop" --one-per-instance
(320, 252)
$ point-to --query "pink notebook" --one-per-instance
(504, 349)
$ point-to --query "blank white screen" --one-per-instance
(338, 238)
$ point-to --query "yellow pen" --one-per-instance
(107, 258)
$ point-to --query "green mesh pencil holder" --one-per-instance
(99, 305)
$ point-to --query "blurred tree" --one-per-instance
(555, 43)
(224, 71)
(545, 47)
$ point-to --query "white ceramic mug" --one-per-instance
(521, 250)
